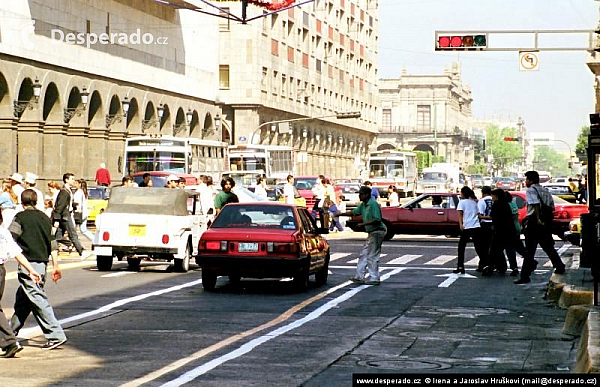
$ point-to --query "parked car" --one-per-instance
(97, 201)
(574, 233)
(421, 216)
(477, 181)
(263, 240)
(562, 190)
(488, 180)
(564, 213)
(505, 183)
(154, 224)
(159, 178)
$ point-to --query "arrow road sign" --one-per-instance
(528, 61)
(451, 278)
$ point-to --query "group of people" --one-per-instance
(492, 224)
(27, 235)
(579, 189)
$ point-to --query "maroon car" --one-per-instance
(263, 240)
(428, 214)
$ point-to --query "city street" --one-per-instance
(154, 326)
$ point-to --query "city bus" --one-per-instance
(391, 167)
(175, 154)
(277, 162)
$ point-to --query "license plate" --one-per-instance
(103, 251)
(137, 230)
(247, 247)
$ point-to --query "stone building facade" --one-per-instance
(314, 60)
(429, 113)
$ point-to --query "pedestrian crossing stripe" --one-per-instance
(336, 256)
(356, 259)
(403, 260)
(441, 259)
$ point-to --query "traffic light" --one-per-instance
(595, 124)
(454, 41)
(512, 139)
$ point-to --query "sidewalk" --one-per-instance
(574, 291)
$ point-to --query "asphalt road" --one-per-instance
(157, 327)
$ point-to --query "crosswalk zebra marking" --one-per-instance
(441, 260)
(336, 256)
(403, 259)
(356, 259)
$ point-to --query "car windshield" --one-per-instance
(98, 193)
(160, 201)
(256, 216)
(304, 183)
(441, 176)
(349, 188)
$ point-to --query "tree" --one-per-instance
(547, 159)
(505, 153)
(582, 143)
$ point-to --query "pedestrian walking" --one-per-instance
(225, 196)
(511, 252)
(103, 176)
(29, 183)
(373, 223)
(260, 187)
(374, 191)
(8, 203)
(328, 201)
(81, 211)
(484, 206)
(538, 227)
(288, 190)
(31, 229)
(470, 229)
(16, 182)
(503, 232)
(10, 249)
(319, 194)
(392, 199)
(62, 216)
(337, 208)
(207, 195)
(172, 182)
(146, 180)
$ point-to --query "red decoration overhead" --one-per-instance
(272, 5)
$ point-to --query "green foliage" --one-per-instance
(547, 159)
(505, 153)
(582, 142)
(476, 169)
(424, 160)
(439, 159)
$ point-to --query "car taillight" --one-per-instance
(564, 214)
(274, 247)
(105, 236)
(213, 245)
(165, 239)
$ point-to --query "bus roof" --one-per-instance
(156, 139)
(244, 147)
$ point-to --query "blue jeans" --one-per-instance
(84, 231)
(32, 298)
(369, 256)
(335, 221)
(6, 334)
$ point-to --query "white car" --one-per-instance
(156, 224)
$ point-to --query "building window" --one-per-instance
(424, 118)
(223, 20)
(223, 76)
(386, 120)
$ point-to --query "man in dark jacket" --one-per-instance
(61, 217)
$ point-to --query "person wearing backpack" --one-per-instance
(538, 228)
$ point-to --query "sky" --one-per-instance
(557, 98)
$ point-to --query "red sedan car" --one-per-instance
(263, 240)
(564, 212)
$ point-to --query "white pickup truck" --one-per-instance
(149, 223)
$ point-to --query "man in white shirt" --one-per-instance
(288, 190)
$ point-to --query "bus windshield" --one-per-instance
(247, 163)
(141, 161)
(386, 168)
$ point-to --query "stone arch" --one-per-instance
(4, 96)
(25, 95)
(195, 130)
(74, 105)
(209, 125)
(94, 117)
(424, 148)
(386, 146)
(51, 105)
(115, 112)
(150, 119)
(180, 128)
(165, 121)
(133, 123)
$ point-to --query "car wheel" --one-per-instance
(390, 233)
(182, 265)
(134, 263)
(209, 280)
(104, 262)
(301, 279)
(321, 275)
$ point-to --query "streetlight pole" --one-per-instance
(338, 115)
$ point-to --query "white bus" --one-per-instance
(175, 154)
(391, 167)
(276, 161)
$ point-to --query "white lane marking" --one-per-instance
(249, 346)
(403, 260)
(336, 256)
(472, 262)
(29, 333)
(118, 274)
(441, 260)
(451, 278)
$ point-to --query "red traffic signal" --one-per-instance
(511, 138)
(459, 42)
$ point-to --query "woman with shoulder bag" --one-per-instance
(80, 213)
